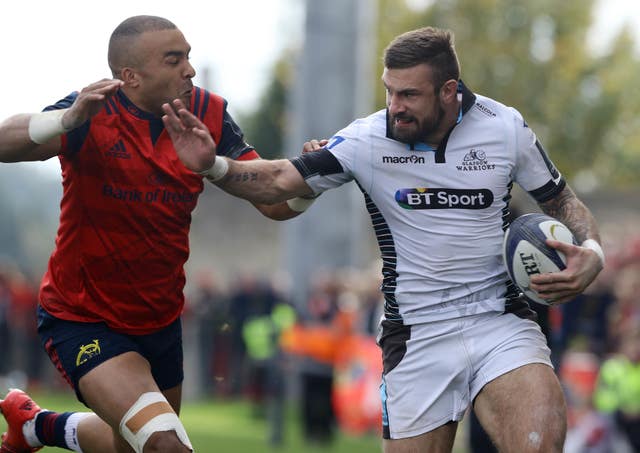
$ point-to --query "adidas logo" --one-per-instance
(118, 151)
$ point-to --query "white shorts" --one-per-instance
(433, 371)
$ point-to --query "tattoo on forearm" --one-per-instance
(244, 177)
(567, 208)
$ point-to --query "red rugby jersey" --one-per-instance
(125, 215)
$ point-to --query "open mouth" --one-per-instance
(401, 121)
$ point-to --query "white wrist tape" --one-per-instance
(151, 413)
(300, 204)
(593, 245)
(218, 170)
(46, 125)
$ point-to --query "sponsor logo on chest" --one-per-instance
(443, 198)
(412, 159)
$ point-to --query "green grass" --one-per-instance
(229, 426)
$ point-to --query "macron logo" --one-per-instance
(413, 159)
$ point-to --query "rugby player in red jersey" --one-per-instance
(111, 298)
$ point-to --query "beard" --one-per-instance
(423, 128)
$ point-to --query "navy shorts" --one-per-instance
(75, 348)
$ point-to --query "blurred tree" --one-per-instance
(265, 127)
(534, 56)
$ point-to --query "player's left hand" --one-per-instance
(583, 265)
(191, 138)
(314, 145)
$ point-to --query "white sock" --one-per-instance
(29, 431)
(71, 430)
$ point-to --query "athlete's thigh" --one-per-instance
(440, 440)
(174, 396)
(524, 410)
(112, 387)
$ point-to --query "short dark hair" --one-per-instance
(429, 45)
(119, 44)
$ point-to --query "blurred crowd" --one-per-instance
(251, 341)
(254, 342)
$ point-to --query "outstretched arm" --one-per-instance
(263, 182)
(36, 136)
(584, 262)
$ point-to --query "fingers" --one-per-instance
(555, 287)
(99, 90)
(561, 246)
(313, 145)
(89, 101)
(171, 121)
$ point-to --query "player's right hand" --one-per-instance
(89, 102)
(190, 136)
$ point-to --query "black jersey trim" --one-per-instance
(389, 258)
(321, 162)
(548, 191)
(552, 169)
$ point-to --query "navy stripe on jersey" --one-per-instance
(232, 144)
(321, 162)
(200, 102)
(195, 103)
(156, 126)
(132, 108)
(111, 106)
(205, 107)
(389, 258)
(63, 103)
(76, 137)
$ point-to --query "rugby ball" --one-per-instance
(525, 252)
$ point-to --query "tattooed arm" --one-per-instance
(583, 262)
(263, 181)
(567, 208)
(269, 185)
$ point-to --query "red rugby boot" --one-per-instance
(17, 408)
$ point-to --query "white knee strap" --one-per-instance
(151, 413)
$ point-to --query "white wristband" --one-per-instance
(46, 125)
(218, 170)
(300, 204)
(593, 245)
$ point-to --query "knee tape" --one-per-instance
(151, 413)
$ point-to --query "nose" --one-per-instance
(394, 104)
(190, 71)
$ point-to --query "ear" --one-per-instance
(449, 91)
(130, 77)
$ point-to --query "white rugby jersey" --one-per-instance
(440, 215)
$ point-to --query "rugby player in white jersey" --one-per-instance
(436, 168)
